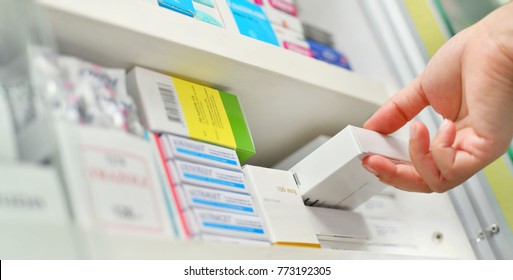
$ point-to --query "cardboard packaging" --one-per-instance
(206, 11)
(171, 105)
(112, 181)
(181, 6)
(192, 197)
(292, 40)
(328, 54)
(279, 202)
(176, 147)
(333, 175)
(338, 225)
(301, 153)
(282, 13)
(207, 176)
(35, 222)
(252, 21)
(202, 221)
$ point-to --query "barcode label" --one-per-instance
(171, 103)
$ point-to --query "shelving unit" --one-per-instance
(288, 99)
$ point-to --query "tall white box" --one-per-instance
(333, 175)
(279, 202)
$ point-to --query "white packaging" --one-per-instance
(283, 13)
(112, 181)
(338, 225)
(202, 221)
(31, 194)
(203, 175)
(8, 146)
(292, 40)
(176, 147)
(34, 218)
(301, 153)
(333, 175)
(173, 211)
(279, 202)
(200, 197)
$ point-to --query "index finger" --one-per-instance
(399, 109)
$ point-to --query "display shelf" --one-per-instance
(80, 244)
(288, 98)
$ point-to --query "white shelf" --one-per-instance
(66, 242)
(288, 98)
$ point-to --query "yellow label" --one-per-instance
(204, 113)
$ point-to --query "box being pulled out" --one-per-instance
(333, 175)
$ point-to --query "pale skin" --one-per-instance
(469, 82)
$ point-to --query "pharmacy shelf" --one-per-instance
(288, 99)
(20, 241)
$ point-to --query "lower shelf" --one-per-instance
(66, 242)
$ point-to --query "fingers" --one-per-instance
(436, 168)
(402, 176)
(400, 109)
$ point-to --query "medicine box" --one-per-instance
(206, 11)
(333, 175)
(283, 13)
(328, 54)
(112, 181)
(292, 40)
(203, 221)
(279, 203)
(182, 6)
(171, 105)
(191, 196)
(207, 176)
(252, 21)
(176, 147)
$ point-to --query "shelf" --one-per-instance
(288, 99)
(66, 242)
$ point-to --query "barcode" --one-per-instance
(171, 103)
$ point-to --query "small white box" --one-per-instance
(202, 221)
(301, 153)
(279, 202)
(200, 197)
(333, 175)
(207, 176)
(176, 147)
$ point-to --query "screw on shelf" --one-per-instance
(493, 229)
(480, 236)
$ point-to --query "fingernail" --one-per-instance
(413, 130)
(370, 169)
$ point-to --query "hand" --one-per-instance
(469, 82)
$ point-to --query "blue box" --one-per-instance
(182, 6)
(328, 54)
(252, 21)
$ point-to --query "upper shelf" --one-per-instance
(288, 99)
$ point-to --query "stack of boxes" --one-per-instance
(286, 24)
(206, 180)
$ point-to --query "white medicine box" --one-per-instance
(333, 176)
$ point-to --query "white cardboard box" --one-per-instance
(338, 225)
(176, 147)
(333, 175)
(200, 197)
(203, 221)
(279, 202)
(112, 181)
(34, 219)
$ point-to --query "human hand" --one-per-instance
(469, 82)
